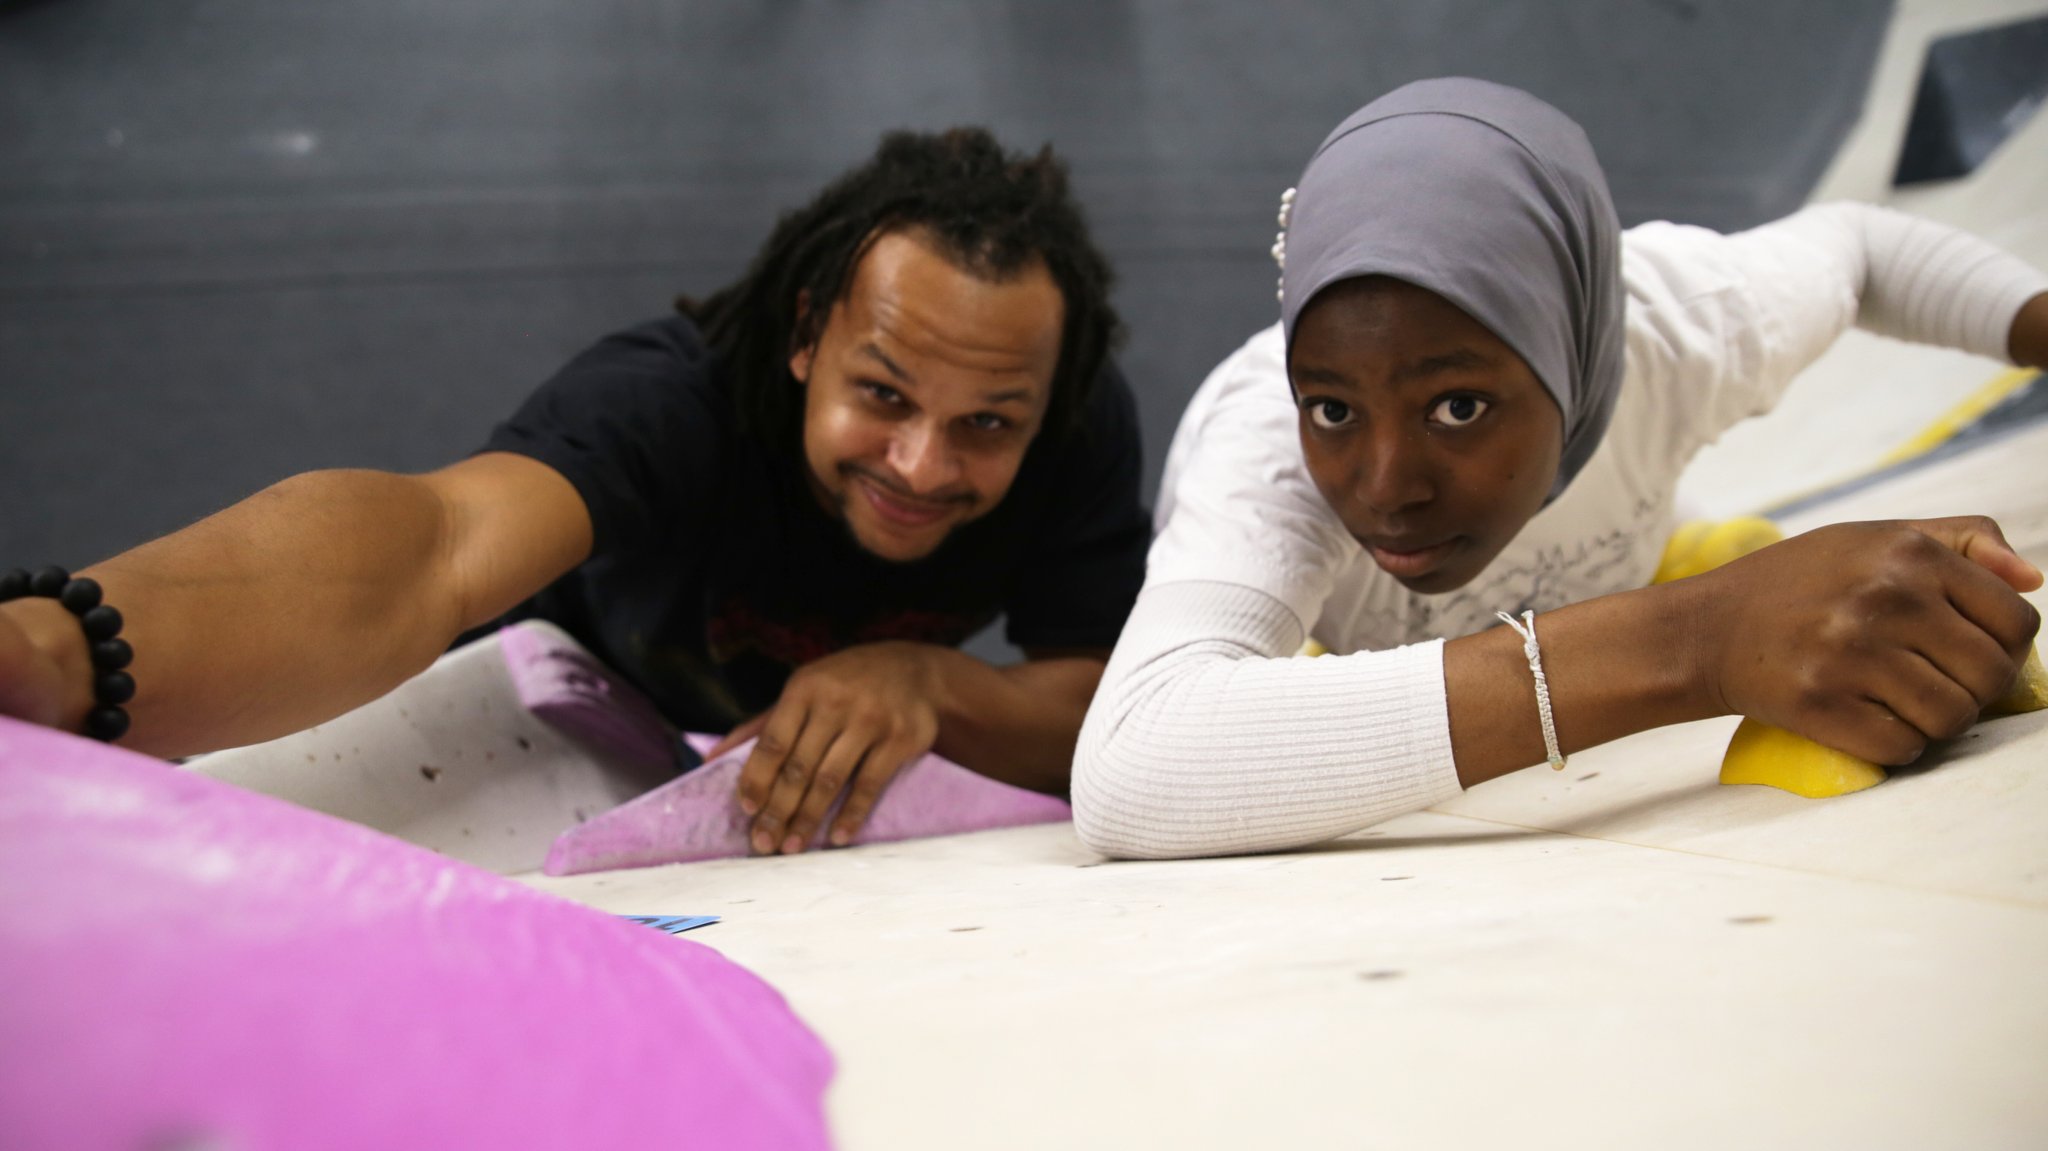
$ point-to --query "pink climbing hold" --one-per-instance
(571, 691)
(698, 816)
(187, 964)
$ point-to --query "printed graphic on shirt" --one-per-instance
(738, 628)
(1541, 578)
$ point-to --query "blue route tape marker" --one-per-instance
(673, 924)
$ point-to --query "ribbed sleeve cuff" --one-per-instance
(1206, 738)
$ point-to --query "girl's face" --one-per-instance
(1430, 438)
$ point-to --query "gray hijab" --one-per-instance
(1490, 198)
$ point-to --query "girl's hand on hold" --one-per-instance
(1872, 638)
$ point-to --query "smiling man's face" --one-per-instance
(925, 387)
(1431, 439)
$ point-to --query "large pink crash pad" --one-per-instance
(184, 964)
(698, 816)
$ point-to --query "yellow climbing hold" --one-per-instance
(1774, 757)
(2029, 694)
(1701, 545)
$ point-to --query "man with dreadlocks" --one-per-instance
(790, 501)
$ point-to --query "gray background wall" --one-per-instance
(242, 238)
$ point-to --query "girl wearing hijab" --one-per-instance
(1478, 400)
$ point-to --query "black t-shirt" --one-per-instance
(715, 572)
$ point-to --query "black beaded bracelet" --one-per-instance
(111, 685)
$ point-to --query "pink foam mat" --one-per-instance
(186, 964)
(698, 815)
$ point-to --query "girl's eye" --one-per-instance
(1457, 411)
(987, 422)
(883, 392)
(1329, 415)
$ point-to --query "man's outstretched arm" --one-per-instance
(309, 598)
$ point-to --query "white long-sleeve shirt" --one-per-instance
(1207, 736)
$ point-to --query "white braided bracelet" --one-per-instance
(1527, 630)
